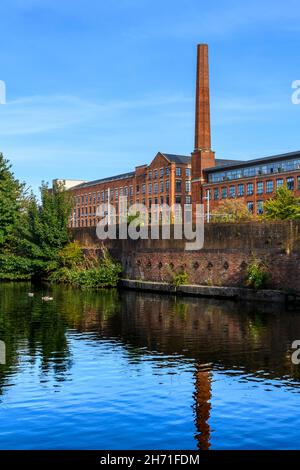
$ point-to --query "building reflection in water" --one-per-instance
(209, 334)
(225, 335)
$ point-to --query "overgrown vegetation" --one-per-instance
(35, 239)
(87, 273)
(180, 279)
(257, 275)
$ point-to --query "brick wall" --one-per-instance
(223, 261)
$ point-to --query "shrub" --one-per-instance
(179, 279)
(71, 255)
(257, 275)
(105, 274)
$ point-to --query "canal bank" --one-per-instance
(220, 268)
(216, 292)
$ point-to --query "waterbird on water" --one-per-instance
(47, 299)
(30, 294)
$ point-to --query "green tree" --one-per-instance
(11, 191)
(284, 205)
(46, 232)
(232, 210)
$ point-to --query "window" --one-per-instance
(187, 186)
(241, 190)
(121, 192)
(155, 188)
(188, 200)
(250, 189)
(131, 190)
(269, 186)
(161, 199)
(260, 207)
(116, 193)
(150, 202)
(216, 194)
(224, 193)
(150, 174)
(161, 186)
(155, 174)
(143, 188)
(260, 187)
(250, 207)
(125, 191)
(161, 172)
(178, 171)
(137, 189)
(232, 191)
(102, 196)
(178, 186)
(167, 185)
(279, 183)
(150, 188)
(251, 171)
(167, 171)
(290, 184)
(298, 183)
(178, 199)
(188, 172)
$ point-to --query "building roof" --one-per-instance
(226, 162)
(183, 159)
(256, 161)
(106, 180)
(186, 159)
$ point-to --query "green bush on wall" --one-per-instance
(257, 275)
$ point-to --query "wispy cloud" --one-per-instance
(40, 114)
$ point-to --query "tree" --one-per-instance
(284, 205)
(46, 232)
(10, 202)
(232, 210)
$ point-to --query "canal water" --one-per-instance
(128, 370)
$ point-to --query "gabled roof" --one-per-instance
(181, 159)
(105, 180)
(186, 159)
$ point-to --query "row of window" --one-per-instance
(248, 189)
(250, 171)
(166, 171)
(109, 194)
(91, 211)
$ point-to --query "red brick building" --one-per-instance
(199, 178)
(167, 180)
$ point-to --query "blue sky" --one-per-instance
(97, 87)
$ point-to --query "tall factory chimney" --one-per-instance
(202, 156)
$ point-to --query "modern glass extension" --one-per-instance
(254, 170)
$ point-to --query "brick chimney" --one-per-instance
(202, 156)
